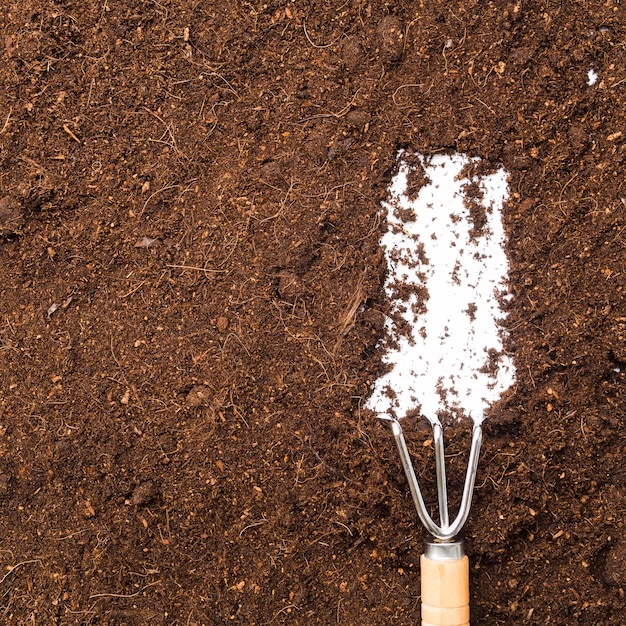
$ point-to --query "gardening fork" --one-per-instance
(444, 564)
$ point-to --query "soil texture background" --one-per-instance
(191, 299)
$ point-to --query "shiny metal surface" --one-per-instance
(444, 551)
(444, 531)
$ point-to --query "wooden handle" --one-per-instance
(445, 592)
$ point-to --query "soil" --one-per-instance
(191, 300)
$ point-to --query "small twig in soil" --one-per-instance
(238, 339)
(252, 525)
(93, 80)
(566, 185)
(285, 608)
(341, 113)
(14, 567)
(134, 290)
(206, 270)
(373, 230)
(145, 204)
(168, 131)
(40, 168)
(230, 87)
(122, 595)
(393, 95)
(340, 524)
(347, 320)
(618, 83)
(486, 106)
(6, 123)
(327, 45)
(78, 532)
(67, 129)
(327, 191)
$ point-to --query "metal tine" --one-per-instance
(414, 487)
(445, 531)
(440, 465)
(470, 479)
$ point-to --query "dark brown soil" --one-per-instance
(191, 298)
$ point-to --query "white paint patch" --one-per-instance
(592, 77)
(447, 279)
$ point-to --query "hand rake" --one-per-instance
(444, 565)
(447, 281)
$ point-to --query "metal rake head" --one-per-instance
(444, 531)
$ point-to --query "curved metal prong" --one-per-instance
(440, 465)
(445, 531)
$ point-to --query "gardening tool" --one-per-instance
(444, 565)
(447, 280)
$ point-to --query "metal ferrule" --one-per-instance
(444, 551)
